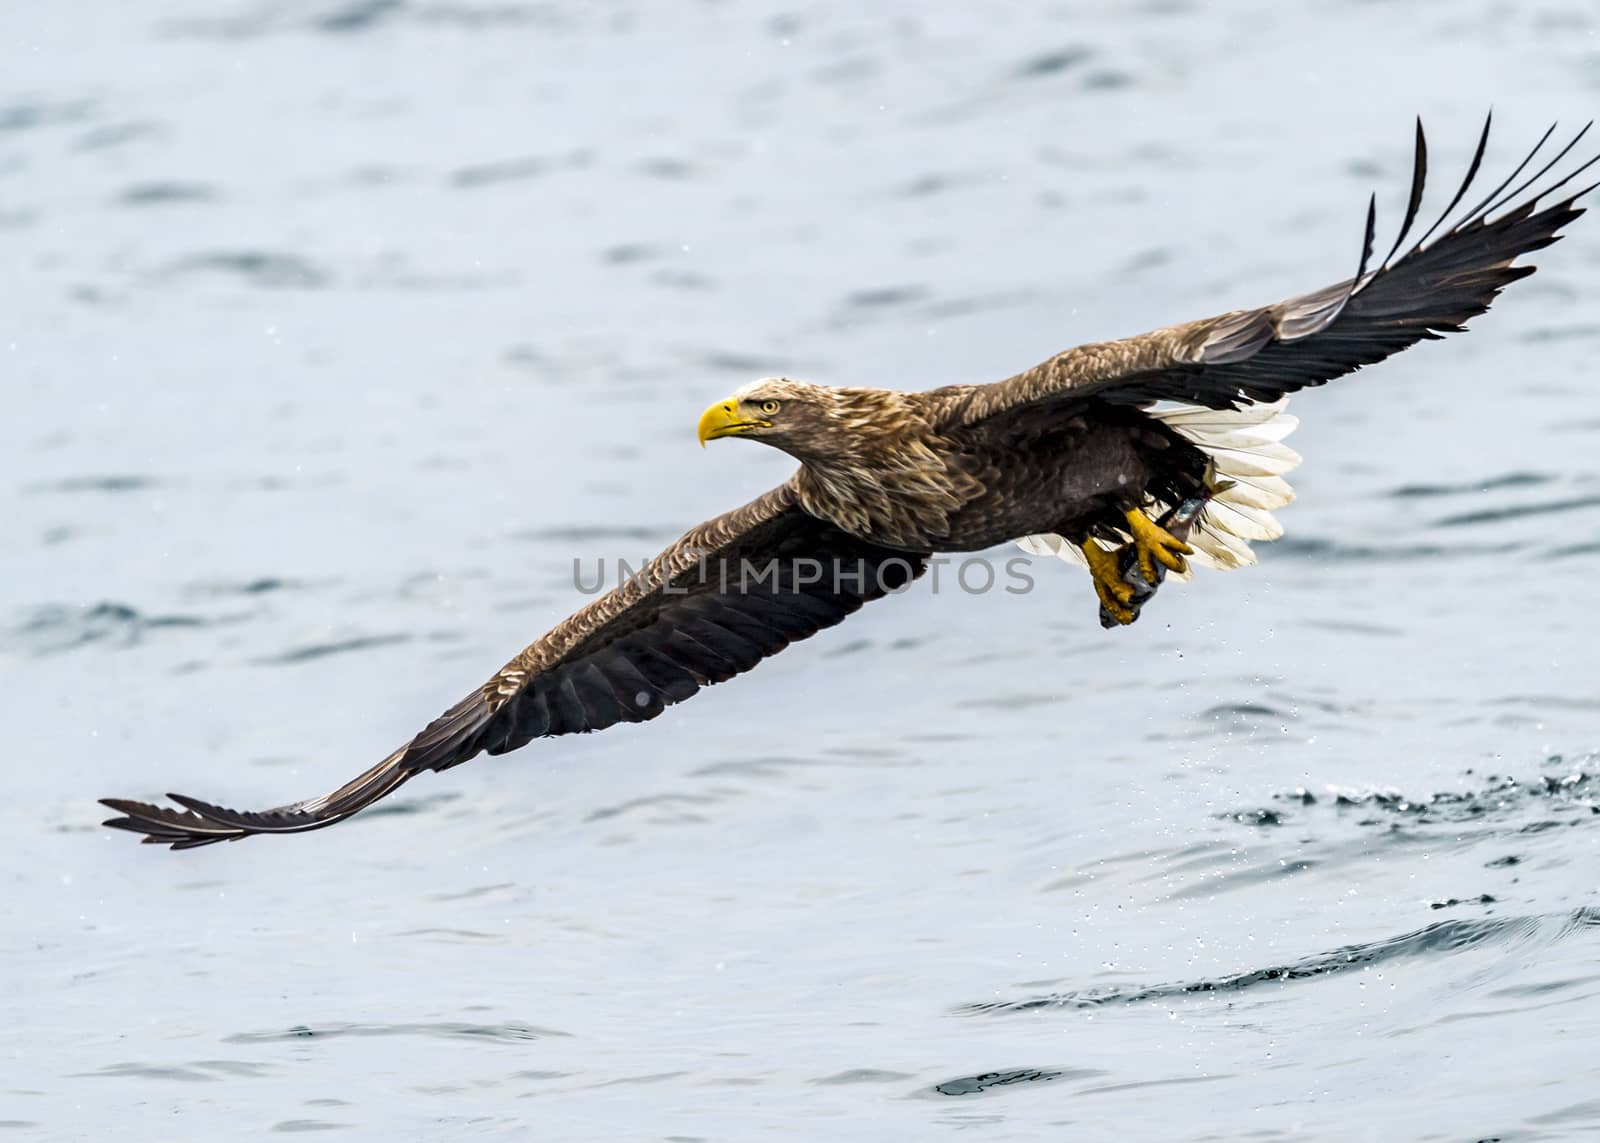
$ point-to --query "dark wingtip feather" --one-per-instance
(1366, 245)
(1549, 190)
(200, 822)
(197, 842)
(1419, 176)
(1477, 213)
(162, 825)
(1541, 172)
(1472, 173)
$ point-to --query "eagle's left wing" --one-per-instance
(730, 593)
(1261, 354)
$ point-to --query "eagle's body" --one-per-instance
(1077, 456)
(1072, 471)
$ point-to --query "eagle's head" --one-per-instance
(807, 421)
(870, 460)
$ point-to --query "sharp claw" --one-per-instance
(1171, 557)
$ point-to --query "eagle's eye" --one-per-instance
(768, 408)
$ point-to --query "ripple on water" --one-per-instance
(54, 629)
(516, 169)
(312, 651)
(166, 194)
(296, 1125)
(444, 1030)
(1572, 794)
(862, 1075)
(1325, 551)
(198, 1071)
(264, 269)
(1472, 488)
(990, 1081)
(1517, 512)
(98, 482)
(1443, 938)
(30, 115)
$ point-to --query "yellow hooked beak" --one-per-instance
(727, 419)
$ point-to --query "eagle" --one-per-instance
(1081, 456)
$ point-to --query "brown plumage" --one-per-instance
(1068, 454)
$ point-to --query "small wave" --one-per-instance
(1326, 551)
(1561, 333)
(117, 135)
(665, 167)
(353, 18)
(166, 194)
(55, 629)
(1256, 816)
(944, 309)
(404, 807)
(1566, 551)
(1107, 79)
(515, 170)
(499, 888)
(884, 296)
(1472, 488)
(27, 116)
(1498, 796)
(1517, 512)
(1054, 62)
(935, 182)
(682, 280)
(580, 535)
(861, 1075)
(198, 1071)
(108, 482)
(452, 936)
(1441, 938)
(743, 364)
(264, 269)
(446, 1030)
(358, 16)
(627, 253)
(312, 651)
(988, 1081)
(1452, 902)
(678, 808)
(758, 766)
(261, 585)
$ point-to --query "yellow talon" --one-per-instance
(1155, 545)
(1115, 594)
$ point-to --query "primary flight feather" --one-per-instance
(1067, 457)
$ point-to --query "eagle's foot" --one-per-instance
(1156, 547)
(1116, 594)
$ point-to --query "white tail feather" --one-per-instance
(1248, 460)
(1267, 492)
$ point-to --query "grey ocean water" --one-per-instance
(333, 332)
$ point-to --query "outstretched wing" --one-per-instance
(727, 595)
(1261, 354)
